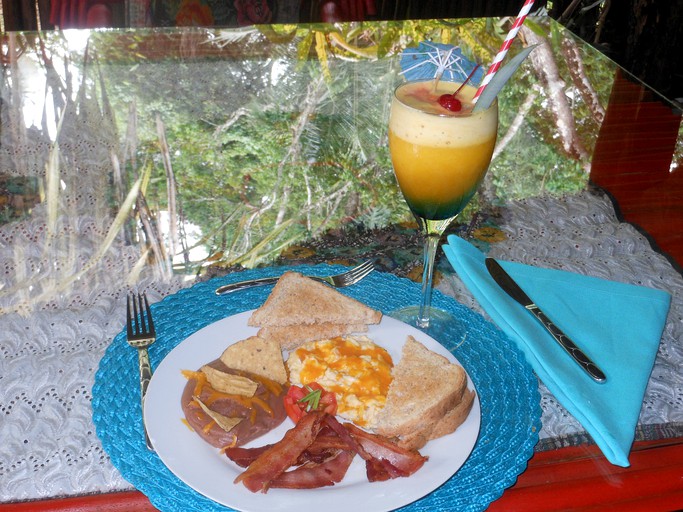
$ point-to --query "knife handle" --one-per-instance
(568, 345)
(246, 284)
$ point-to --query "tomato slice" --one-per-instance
(292, 404)
(312, 397)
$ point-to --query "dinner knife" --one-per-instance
(503, 279)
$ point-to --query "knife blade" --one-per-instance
(503, 279)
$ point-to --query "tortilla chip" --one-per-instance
(229, 383)
(224, 422)
(256, 355)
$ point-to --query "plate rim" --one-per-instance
(385, 500)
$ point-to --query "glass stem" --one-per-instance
(430, 246)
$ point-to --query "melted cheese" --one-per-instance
(355, 369)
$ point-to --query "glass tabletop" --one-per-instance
(247, 141)
(151, 159)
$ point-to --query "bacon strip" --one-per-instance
(344, 434)
(313, 475)
(281, 455)
(326, 445)
(323, 450)
(328, 441)
(394, 461)
(245, 456)
(379, 470)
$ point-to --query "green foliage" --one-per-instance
(257, 140)
(527, 171)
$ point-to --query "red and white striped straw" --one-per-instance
(495, 65)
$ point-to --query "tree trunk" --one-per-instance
(578, 74)
(546, 68)
(170, 186)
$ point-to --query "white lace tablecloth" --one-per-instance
(54, 333)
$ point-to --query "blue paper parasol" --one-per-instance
(437, 60)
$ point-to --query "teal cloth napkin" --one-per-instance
(617, 325)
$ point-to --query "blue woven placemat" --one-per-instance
(507, 388)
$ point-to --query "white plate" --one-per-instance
(201, 466)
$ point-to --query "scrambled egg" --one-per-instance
(354, 368)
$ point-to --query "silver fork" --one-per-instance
(347, 278)
(141, 334)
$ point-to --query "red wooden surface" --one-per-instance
(131, 501)
(633, 162)
(569, 479)
(580, 479)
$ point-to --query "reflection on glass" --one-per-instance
(249, 141)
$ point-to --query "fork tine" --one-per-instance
(148, 310)
(136, 317)
(359, 272)
(368, 266)
(363, 269)
(129, 318)
(143, 321)
(361, 275)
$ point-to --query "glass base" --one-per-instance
(441, 324)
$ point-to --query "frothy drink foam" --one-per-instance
(419, 119)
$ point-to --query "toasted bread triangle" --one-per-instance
(416, 439)
(425, 387)
(291, 336)
(297, 299)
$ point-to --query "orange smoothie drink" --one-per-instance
(439, 156)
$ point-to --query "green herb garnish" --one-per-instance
(312, 399)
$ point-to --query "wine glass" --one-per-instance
(440, 150)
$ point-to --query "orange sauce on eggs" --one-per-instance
(357, 372)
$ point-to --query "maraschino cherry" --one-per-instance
(449, 101)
